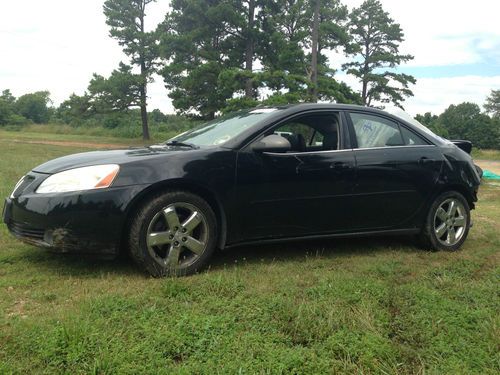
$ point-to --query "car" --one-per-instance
(261, 175)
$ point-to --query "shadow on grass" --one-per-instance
(326, 248)
(81, 265)
(91, 267)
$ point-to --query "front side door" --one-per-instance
(396, 172)
(302, 192)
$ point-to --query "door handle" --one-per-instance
(425, 160)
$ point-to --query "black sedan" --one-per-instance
(255, 176)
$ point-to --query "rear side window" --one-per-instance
(411, 138)
(374, 131)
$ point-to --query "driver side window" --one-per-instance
(311, 133)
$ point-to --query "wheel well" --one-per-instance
(454, 187)
(460, 189)
(155, 189)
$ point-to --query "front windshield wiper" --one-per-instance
(181, 144)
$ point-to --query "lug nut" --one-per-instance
(184, 230)
(171, 236)
(176, 243)
(184, 239)
(176, 228)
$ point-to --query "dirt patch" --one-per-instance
(491, 165)
(76, 144)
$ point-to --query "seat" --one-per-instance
(301, 143)
(330, 141)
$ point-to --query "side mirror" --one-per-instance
(272, 143)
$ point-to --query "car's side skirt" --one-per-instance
(391, 232)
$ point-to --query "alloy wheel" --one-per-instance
(177, 236)
(450, 221)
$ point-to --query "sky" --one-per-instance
(57, 45)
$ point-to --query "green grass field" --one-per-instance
(373, 305)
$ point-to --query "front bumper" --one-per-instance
(22, 231)
(91, 222)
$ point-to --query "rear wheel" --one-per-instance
(173, 234)
(448, 222)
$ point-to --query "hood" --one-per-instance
(120, 157)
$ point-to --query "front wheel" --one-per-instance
(447, 223)
(173, 234)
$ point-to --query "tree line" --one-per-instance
(462, 121)
(466, 121)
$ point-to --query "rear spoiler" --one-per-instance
(463, 145)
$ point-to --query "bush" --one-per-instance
(18, 120)
(34, 106)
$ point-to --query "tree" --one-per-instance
(329, 31)
(492, 104)
(34, 106)
(7, 97)
(7, 101)
(427, 118)
(377, 37)
(196, 47)
(158, 116)
(285, 29)
(243, 31)
(292, 27)
(126, 19)
(105, 98)
(314, 50)
(121, 91)
(75, 109)
(432, 122)
(249, 36)
(465, 121)
(210, 48)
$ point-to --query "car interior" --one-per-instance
(311, 133)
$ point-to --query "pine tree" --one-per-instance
(377, 55)
(126, 19)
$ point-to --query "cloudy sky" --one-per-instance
(56, 45)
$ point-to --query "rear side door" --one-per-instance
(305, 191)
(397, 171)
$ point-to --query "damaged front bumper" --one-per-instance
(91, 222)
(58, 238)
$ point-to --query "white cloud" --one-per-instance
(444, 32)
(436, 94)
(56, 45)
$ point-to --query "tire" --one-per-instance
(447, 224)
(173, 234)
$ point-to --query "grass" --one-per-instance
(376, 305)
(120, 134)
(45, 133)
(485, 154)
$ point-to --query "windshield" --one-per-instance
(221, 130)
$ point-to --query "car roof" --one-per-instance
(337, 106)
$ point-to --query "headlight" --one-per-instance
(85, 178)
